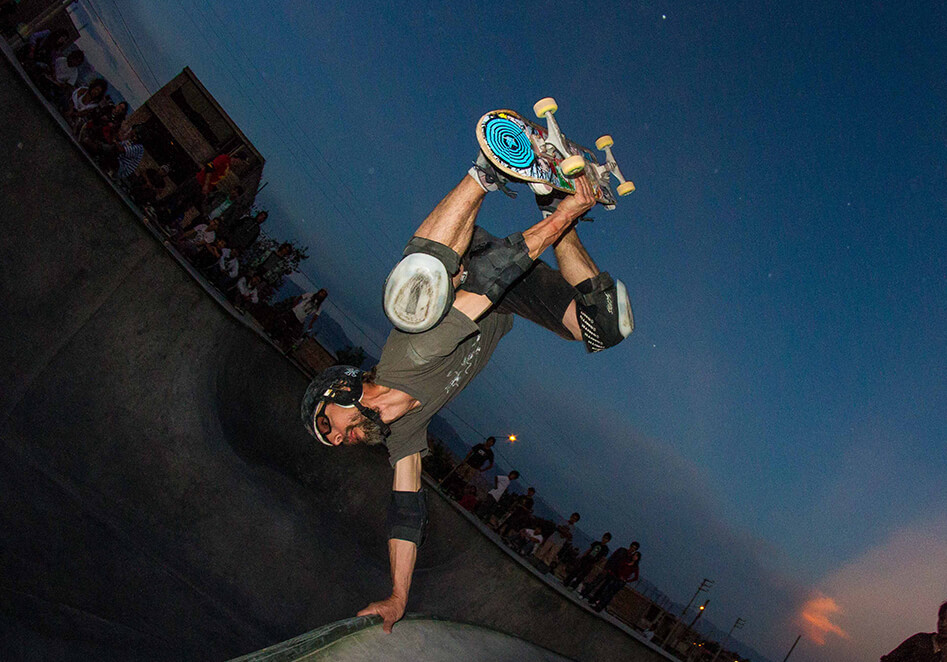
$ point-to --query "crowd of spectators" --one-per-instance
(60, 72)
(597, 574)
(203, 216)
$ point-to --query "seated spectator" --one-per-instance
(243, 232)
(248, 292)
(42, 49)
(199, 244)
(227, 266)
(129, 153)
(525, 541)
(549, 550)
(225, 201)
(84, 102)
(195, 191)
(520, 513)
(469, 501)
(145, 188)
(59, 83)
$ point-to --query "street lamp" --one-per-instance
(704, 586)
(512, 438)
(736, 626)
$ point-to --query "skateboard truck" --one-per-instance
(575, 164)
(611, 165)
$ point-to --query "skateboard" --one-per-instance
(544, 157)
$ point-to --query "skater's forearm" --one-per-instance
(403, 555)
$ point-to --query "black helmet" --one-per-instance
(340, 385)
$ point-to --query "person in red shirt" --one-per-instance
(195, 191)
(621, 568)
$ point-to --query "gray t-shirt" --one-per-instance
(433, 367)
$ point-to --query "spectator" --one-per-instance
(145, 188)
(60, 83)
(42, 49)
(194, 191)
(478, 460)
(84, 102)
(241, 233)
(520, 513)
(525, 540)
(248, 292)
(492, 502)
(549, 550)
(469, 500)
(227, 267)
(307, 308)
(226, 202)
(587, 561)
(622, 567)
(923, 646)
(199, 244)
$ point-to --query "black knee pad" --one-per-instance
(493, 264)
(604, 312)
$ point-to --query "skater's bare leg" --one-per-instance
(575, 265)
(538, 238)
(452, 221)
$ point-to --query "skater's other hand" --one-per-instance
(390, 609)
(581, 201)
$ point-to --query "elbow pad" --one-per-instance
(407, 516)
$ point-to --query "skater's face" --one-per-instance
(345, 425)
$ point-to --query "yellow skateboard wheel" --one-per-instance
(543, 106)
(625, 188)
(573, 165)
(603, 142)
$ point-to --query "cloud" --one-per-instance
(888, 593)
(816, 619)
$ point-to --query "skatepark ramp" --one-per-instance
(159, 499)
(418, 639)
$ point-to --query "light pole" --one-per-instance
(739, 623)
(704, 586)
(791, 649)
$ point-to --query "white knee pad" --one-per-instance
(418, 293)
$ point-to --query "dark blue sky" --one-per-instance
(776, 421)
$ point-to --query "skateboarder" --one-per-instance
(480, 282)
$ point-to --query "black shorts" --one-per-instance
(542, 295)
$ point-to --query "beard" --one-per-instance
(371, 433)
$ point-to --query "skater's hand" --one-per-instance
(583, 200)
(390, 609)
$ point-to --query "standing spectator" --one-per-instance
(622, 567)
(242, 232)
(520, 513)
(492, 502)
(478, 460)
(587, 561)
(307, 309)
(549, 550)
(923, 646)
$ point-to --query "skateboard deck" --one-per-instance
(521, 149)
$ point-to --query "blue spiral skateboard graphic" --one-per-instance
(541, 156)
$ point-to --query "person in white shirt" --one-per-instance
(500, 483)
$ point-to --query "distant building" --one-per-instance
(183, 127)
